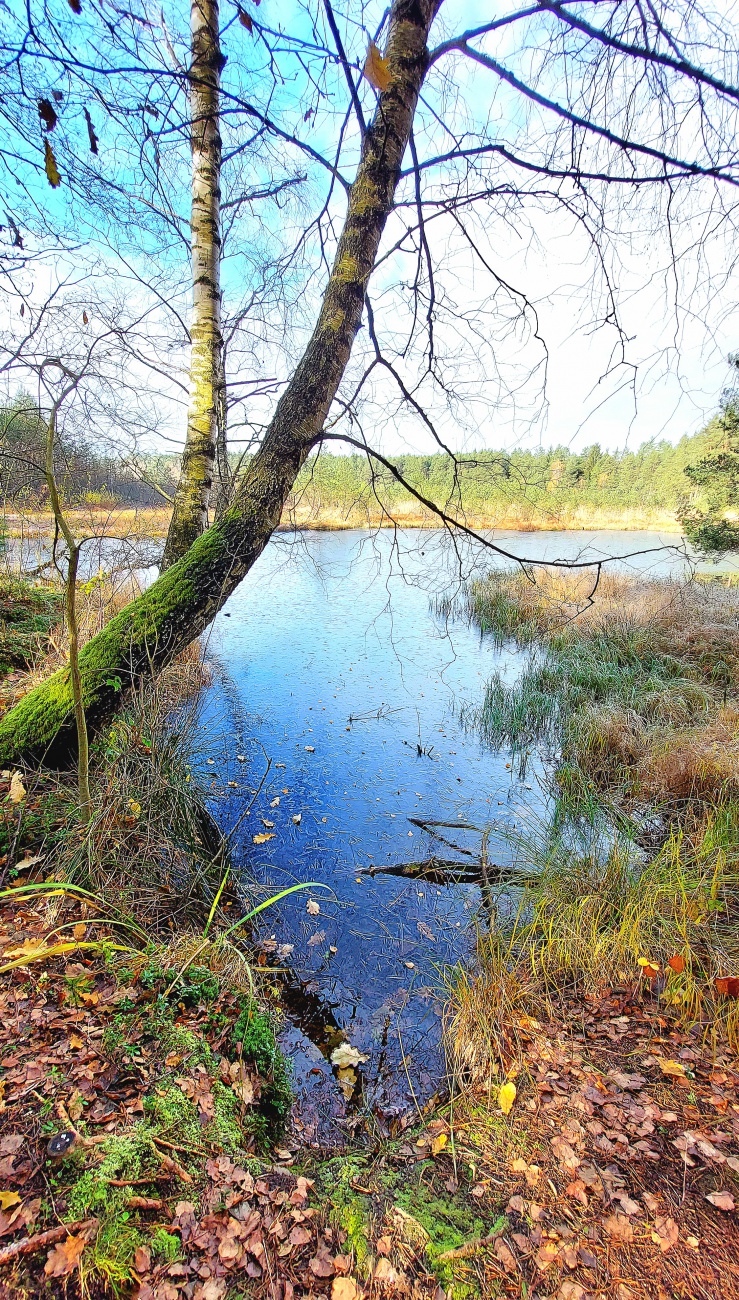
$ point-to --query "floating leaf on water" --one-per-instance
(309, 749)
(297, 818)
(263, 837)
(345, 1056)
(312, 907)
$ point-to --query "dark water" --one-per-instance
(330, 662)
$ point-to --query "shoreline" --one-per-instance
(152, 523)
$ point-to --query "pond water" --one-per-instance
(330, 663)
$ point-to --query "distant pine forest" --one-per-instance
(554, 488)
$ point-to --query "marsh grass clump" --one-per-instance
(609, 916)
(151, 845)
(630, 687)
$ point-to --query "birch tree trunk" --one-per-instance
(206, 410)
(184, 599)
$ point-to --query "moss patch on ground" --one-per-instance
(27, 614)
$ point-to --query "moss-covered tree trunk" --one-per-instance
(206, 409)
(185, 598)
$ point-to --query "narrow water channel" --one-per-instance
(330, 663)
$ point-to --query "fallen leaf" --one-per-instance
(344, 1288)
(376, 69)
(17, 792)
(309, 749)
(262, 837)
(345, 1055)
(722, 1200)
(312, 907)
(385, 1274)
(438, 1144)
(7, 1199)
(142, 1259)
(570, 1290)
(65, 1257)
(300, 1236)
(666, 1234)
(318, 937)
(25, 863)
(297, 818)
(677, 964)
(728, 985)
(246, 21)
(506, 1097)
(546, 1255)
(322, 1264)
(618, 1226)
(674, 1068)
(505, 1256)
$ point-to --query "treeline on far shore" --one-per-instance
(554, 486)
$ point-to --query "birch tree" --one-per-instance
(205, 442)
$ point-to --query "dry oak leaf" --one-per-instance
(385, 1274)
(722, 1200)
(65, 1257)
(300, 1236)
(376, 69)
(505, 1256)
(142, 1259)
(666, 1234)
(263, 837)
(312, 907)
(17, 792)
(546, 1255)
(674, 1068)
(345, 1288)
(618, 1226)
(322, 1265)
(572, 1291)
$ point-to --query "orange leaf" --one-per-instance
(376, 69)
(650, 972)
(728, 985)
(245, 20)
(65, 1257)
(677, 964)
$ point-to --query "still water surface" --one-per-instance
(330, 661)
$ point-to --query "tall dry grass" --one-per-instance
(634, 687)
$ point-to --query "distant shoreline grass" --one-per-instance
(152, 522)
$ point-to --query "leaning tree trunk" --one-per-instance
(184, 599)
(205, 411)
